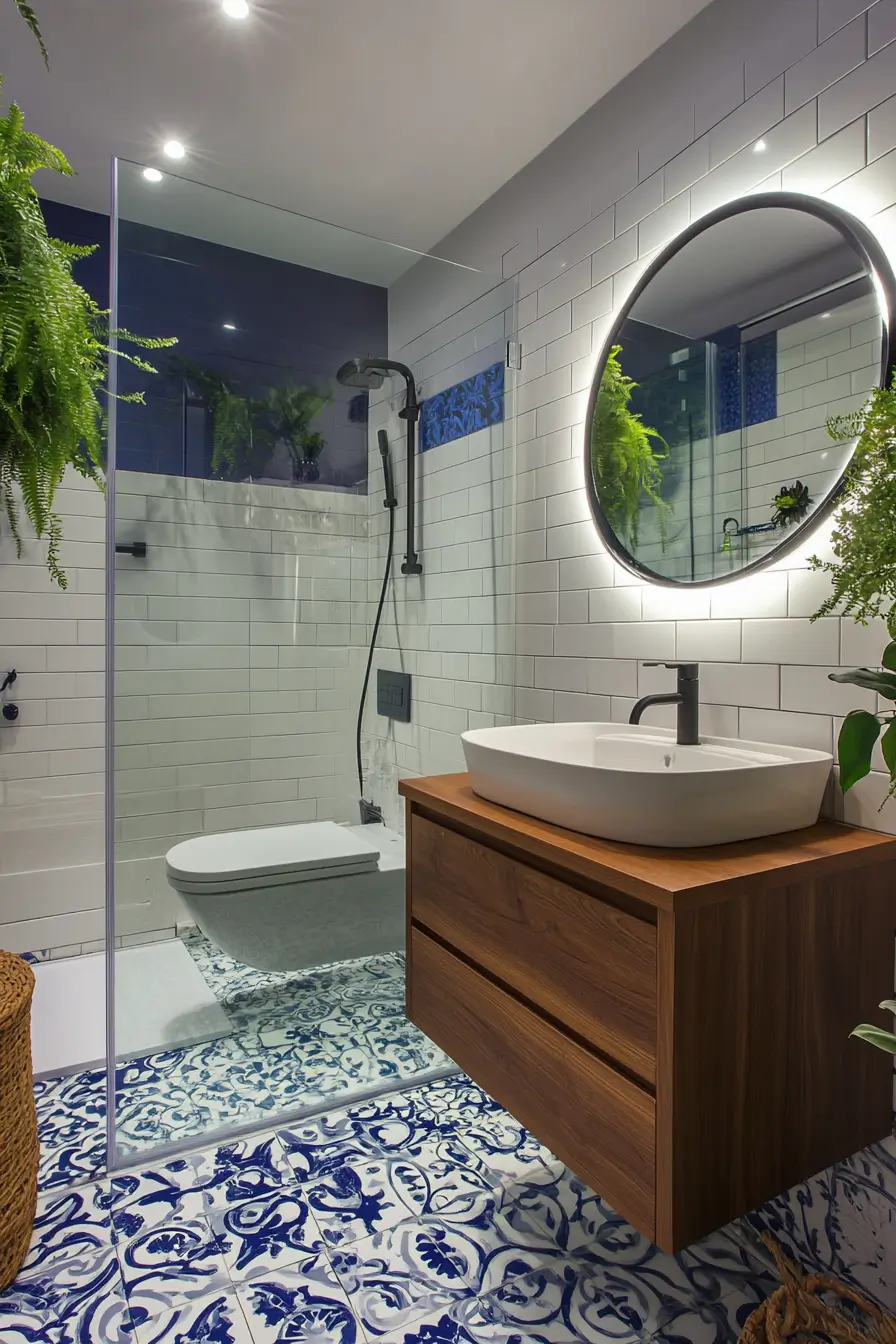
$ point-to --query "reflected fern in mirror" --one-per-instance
(626, 455)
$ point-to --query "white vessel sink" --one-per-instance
(635, 784)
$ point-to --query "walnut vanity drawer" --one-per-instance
(605, 1127)
(587, 963)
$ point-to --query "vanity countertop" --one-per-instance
(668, 879)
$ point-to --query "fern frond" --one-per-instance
(30, 18)
(54, 350)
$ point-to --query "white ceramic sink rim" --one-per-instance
(636, 784)
(630, 747)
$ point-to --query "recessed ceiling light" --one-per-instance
(760, 147)
(229, 326)
(235, 9)
(174, 149)
(152, 174)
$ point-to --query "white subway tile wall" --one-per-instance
(243, 634)
(238, 654)
(815, 80)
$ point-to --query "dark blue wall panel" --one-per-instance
(294, 325)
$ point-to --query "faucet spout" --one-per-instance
(673, 698)
(686, 697)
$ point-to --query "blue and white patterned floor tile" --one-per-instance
(424, 1217)
(171, 1264)
(303, 1304)
(266, 1235)
(396, 1276)
(247, 1169)
(216, 1319)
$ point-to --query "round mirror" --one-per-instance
(715, 434)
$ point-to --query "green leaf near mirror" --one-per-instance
(882, 683)
(858, 737)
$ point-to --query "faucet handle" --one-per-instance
(687, 671)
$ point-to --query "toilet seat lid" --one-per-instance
(306, 847)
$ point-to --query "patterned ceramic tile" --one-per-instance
(68, 1226)
(398, 1275)
(101, 1318)
(61, 1168)
(265, 1235)
(558, 1304)
(247, 1169)
(216, 1319)
(361, 1198)
(304, 1304)
(463, 408)
(141, 1202)
(502, 1143)
(492, 1242)
(169, 1265)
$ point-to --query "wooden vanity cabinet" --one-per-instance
(673, 1024)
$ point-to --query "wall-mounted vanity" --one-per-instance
(673, 1024)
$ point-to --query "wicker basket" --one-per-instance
(18, 1118)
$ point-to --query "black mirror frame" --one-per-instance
(865, 243)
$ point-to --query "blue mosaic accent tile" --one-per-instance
(756, 362)
(464, 408)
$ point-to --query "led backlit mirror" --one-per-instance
(707, 435)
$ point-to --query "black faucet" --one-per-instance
(686, 697)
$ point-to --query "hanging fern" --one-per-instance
(863, 571)
(30, 18)
(54, 348)
(623, 457)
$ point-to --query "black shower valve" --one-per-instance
(10, 713)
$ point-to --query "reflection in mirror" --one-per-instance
(707, 434)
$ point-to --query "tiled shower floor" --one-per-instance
(299, 1038)
(429, 1217)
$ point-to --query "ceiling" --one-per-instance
(396, 119)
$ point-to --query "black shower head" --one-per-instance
(359, 373)
(371, 373)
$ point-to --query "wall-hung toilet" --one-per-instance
(286, 897)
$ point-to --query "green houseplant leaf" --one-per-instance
(54, 349)
(889, 657)
(863, 570)
(882, 683)
(884, 1040)
(858, 736)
